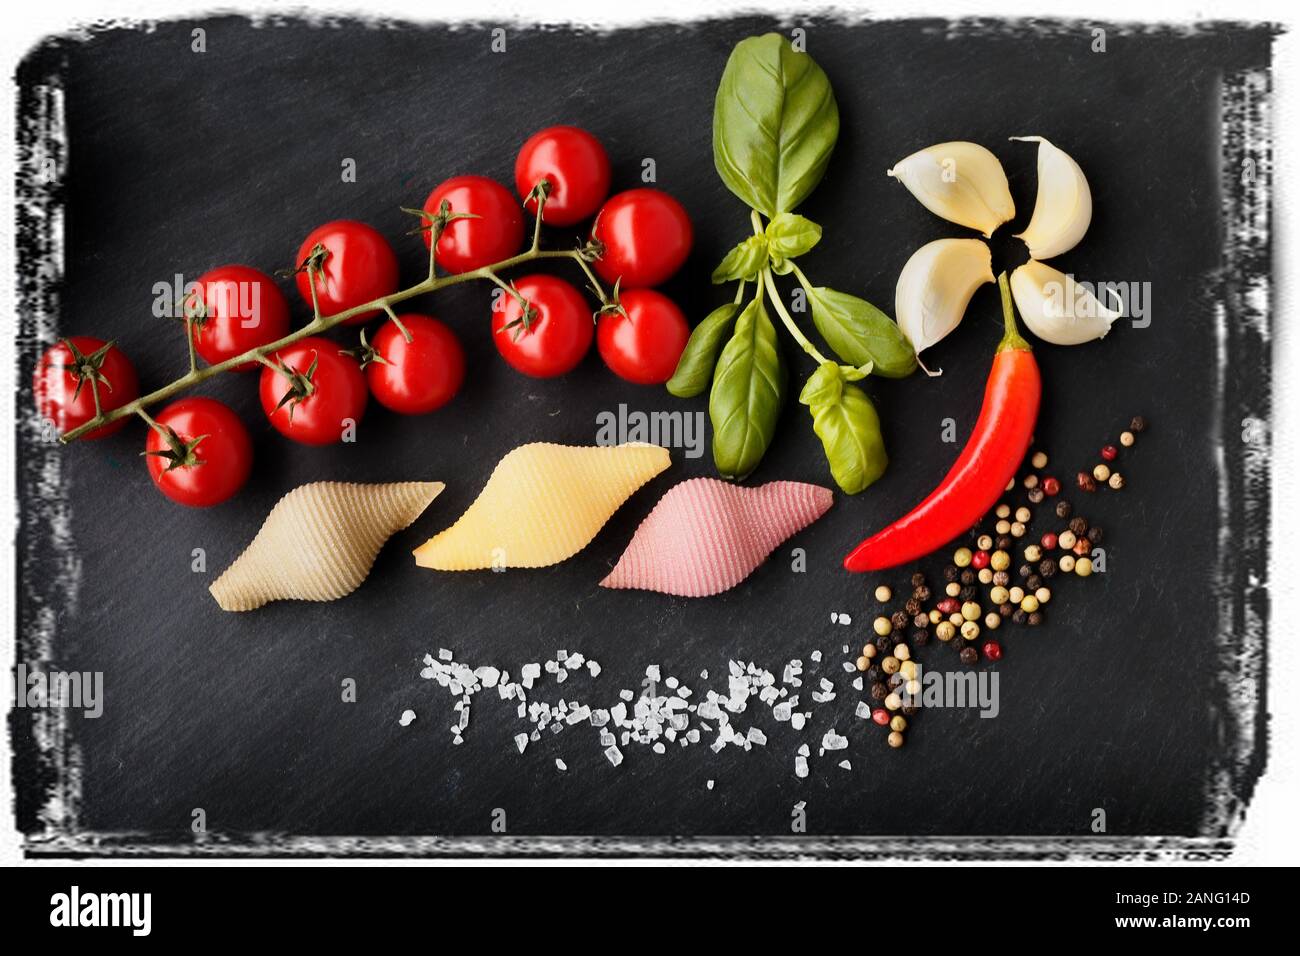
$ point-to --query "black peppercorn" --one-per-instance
(1006, 609)
(899, 619)
(879, 691)
(1024, 570)
(874, 674)
(1001, 578)
(922, 593)
(1033, 582)
(968, 593)
(1047, 567)
(884, 644)
(1004, 542)
(918, 579)
(896, 681)
(1079, 525)
(921, 621)
(913, 606)
(1035, 618)
(969, 655)
(921, 638)
(968, 576)
(951, 572)
(1094, 534)
(1063, 509)
(1019, 616)
(1137, 424)
(909, 710)
(1035, 496)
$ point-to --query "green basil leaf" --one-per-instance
(695, 367)
(859, 333)
(789, 235)
(748, 390)
(775, 124)
(742, 262)
(848, 426)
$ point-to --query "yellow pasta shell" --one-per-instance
(543, 503)
(320, 541)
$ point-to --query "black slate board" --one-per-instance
(179, 161)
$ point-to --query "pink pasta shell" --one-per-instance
(706, 536)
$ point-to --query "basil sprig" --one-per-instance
(775, 124)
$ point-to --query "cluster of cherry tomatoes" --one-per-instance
(199, 452)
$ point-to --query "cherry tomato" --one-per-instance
(359, 266)
(61, 383)
(202, 455)
(316, 392)
(574, 163)
(557, 333)
(234, 309)
(418, 376)
(468, 244)
(644, 345)
(646, 234)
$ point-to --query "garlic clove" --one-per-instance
(1056, 308)
(962, 182)
(935, 287)
(1063, 208)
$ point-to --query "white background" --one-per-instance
(1271, 833)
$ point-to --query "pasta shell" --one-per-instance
(320, 541)
(706, 536)
(544, 503)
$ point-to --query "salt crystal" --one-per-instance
(652, 672)
(801, 767)
(709, 784)
(863, 710)
(560, 764)
(797, 721)
(756, 736)
(614, 755)
(845, 619)
(488, 675)
(593, 668)
(833, 741)
(845, 765)
(803, 750)
(406, 718)
(849, 667)
(444, 654)
(816, 656)
(521, 741)
(659, 748)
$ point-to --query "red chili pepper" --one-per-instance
(980, 474)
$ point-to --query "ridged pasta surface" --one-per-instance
(543, 503)
(706, 536)
(320, 541)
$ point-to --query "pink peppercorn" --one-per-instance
(1049, 541)
(1051, 486)
(979, 560)
(948, 606)
(880, 716)
(993, 650)
(1110, 452)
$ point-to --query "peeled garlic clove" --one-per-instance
(1063, 208)
(935, 287)
(1056, 308)
(962, 182)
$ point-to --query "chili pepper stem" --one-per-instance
(1011, 337)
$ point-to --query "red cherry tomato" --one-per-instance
(468, 244)
(61, 383)
(235, 309)
(360, 266)
(203, 456)
(644, 345)
(646, 234)
(555, 337)
(418, 376)
(574, 163)
(321, 400)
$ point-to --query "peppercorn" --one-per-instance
(1039, 459)
(1003, 511)
(1101, 473)
(948, 605)
(902, 652)
(950, 572)
(1116, 481)
(1023, 514)
(1035, 619)
(1018, 530)
(968, 593)
(1033, 582)
(961, 557)
(970, 630)
(993, 650)
(980, 559)
(1001, 578)
(898, 724)
(1066, 539)
(1063, 509)
(956, 619)
(908, 670)
(1029, 603)
(984, 542)
(985, 576)
(921, 620)
(1109, 452)
(952, 589)
(992, 621)
(1083, 567)
(970, 610)
(1004, 542)
(880, 716)
(1043, 594)
(878, 691)
(1127, 439)
(1024, 570)
(1079, 524)
(1035, 495)
(1031, 481)
(1067, 563)
(945, 631)
(883, 643)
(1003, 527)
(935, 616)
(1047, 567)
(999, 560)
(1019, 616)
(912, 688)
(922, 593)
(893, 702)
(1082, 547)
(874, 674)
(909, 710)
(998, 595)
(890, 664)
(913, 607)
(920, 638)
(1138, 424)
(1016, 595)
(883, 593)
(1033, 553)
(894, 681)
(1052, 487)
(899, 620)
(968, 577)
(969, 655)
(1086, 482)
(863, 663)
(1006, 609)
(895, 739)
